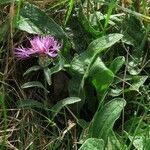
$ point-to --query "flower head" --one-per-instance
(47, 45)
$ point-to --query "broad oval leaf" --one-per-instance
(35, 21)
(102, 43)
(105, 118)
(81, 62)
(92, 144)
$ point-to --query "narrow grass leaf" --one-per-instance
(71, 4)
(110, 9)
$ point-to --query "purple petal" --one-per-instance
(21, 53)
(39, 45)
(52, 54)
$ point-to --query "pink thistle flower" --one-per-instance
(47, 45)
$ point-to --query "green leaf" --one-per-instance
(77, 35)
(67, 101)
(135, 34)
(138, 81)
(117, 64)
(57, 67)
(29, 103)
(82, 123)
(132, 32)
(71, 4)
(103, 43)
(73, 86)
(101, 78)
(136, 129)
(133, 67)
(111, 6)
(31, 69)
(115, 92)
(81, 62)
(87, 25)
(138, 142)
(33, 84)
(115, 142)
(35, 21)
(105, 118)
(74, 90)
(92, 144)
(47, 74)
(97, 16)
